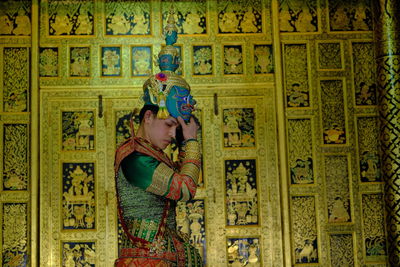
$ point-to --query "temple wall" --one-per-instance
(286, 96)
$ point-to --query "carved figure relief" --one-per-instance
(233, 59)
(48, 61)
(79, 61)
(78, 197)
(243, 252)
(365, 81)
(298, 16)
(111, 61)
(304, 227)
(15, 157)
(15, 227)
(296, 75)
(77, 130)
(70, 17)
(190, 17)
(238, 127)
(15, 18)
(141, 60)
(122, 127)
(368, 145)
(202, 60)
(190, 219)
(263, 59)
(373, 223)
(241, 192)
(300, 151)
(15, 91)
(352, 15)
(338, 191)
(78, 254)
(333, 112)
(127, 17)
(239, 17)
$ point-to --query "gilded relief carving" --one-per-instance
(330, 56)
(48, 62)
(190, 220)
(373, 226)
(78, 196)
(15, 250)
(190, 17)
(70, 18)
(304, 227)
(203, 60)
(78, 254)
(243, 252)
(77, 130)
(365, 81)
(368, 147)
(233, 59)
(338, 191)
(15, 18)
(241, 192)
(239, 127)
(298, 16)
(333, 112)
(127, 17)
(296, 75)
(239, 16)
(15, 157)
(263, 59)
(122, 127)
(79, 61)
(15, 91)
(345, 15)
(341, 250)
(141, 63)
(111, 61)
(300, 151)
(229, 134)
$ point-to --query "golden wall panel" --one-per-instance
(342, 249)
(338, 191)
(373, 229)
(93, 58)
(296, 72)
(333, 112)
(300, 151)
(365, 75)
(15, 229)
(330, 56)
(15, 90)
(15, 18)
(298, 16)
(368, 149)
(15, 160)
(305, 229)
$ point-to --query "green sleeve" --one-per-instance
(139, 169)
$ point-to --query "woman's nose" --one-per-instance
(172, 133)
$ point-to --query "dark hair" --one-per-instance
(152, 108)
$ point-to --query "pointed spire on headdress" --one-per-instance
(166, 89)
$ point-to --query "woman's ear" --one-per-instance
(148, 116)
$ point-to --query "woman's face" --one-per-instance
(160, 132)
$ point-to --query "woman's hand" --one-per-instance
(189, 129)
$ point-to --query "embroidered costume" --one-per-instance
(149, 183)
(148, 186)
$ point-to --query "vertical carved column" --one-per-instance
(387, 38)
